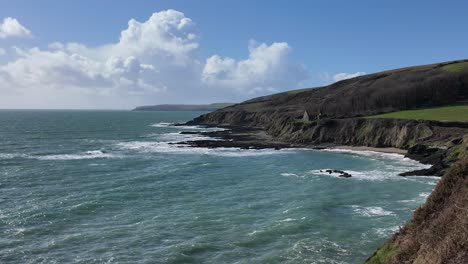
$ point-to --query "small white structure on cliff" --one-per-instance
(305, 116)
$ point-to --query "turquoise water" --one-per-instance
(107, 187)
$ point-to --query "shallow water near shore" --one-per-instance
(109, 187)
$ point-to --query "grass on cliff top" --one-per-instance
(446, 113)
(301, 121)
(456, 67)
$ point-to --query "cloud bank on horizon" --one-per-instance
(154, 61)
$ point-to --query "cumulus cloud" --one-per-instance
(344, 76)
(10, 27)
(154, 61)
(266, 70)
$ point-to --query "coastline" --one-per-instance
(258, 138)
(365, 148)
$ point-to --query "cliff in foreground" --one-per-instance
(438, 232)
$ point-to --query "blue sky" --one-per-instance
(317, 41)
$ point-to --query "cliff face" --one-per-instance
(430, 142)
(438, 232)
(364, 132)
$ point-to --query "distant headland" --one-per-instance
(183, 107)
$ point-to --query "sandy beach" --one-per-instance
(363, 148)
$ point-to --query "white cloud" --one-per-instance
(266, 70)
(12, 28)
(154, 61)
(344, 76)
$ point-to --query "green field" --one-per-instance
(446, 113)
(456, 67)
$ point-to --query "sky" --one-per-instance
(122, 54)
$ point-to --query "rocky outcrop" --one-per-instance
(357, 132)
(430, 142)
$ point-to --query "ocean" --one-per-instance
(109, 187)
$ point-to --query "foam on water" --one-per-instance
(178, 137)
(92, 154)
(162, 124)
(368, 153)
(373, 175)
(286, 174)
(387, 231)
(166, 147)
(394, 165)
(371, 211)
(198, 128)
(380, 155)
(313, 248)
(424, 195)
(11, 155)
(287, 220)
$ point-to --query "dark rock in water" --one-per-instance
(428, 155)
(189, 133)
(437, 170)
(319, 148)
(425, 154)
(343, 174)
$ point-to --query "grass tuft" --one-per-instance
(301, 121)
(383, 253)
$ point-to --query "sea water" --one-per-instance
(109, 187)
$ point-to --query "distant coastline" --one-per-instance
(183, 107)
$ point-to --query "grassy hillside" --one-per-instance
(409, 88)
(447, 113)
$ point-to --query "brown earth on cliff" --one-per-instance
(438, 232)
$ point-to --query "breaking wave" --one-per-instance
(93, 154)
(371, 211)
(184, 127)
(167, 147)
